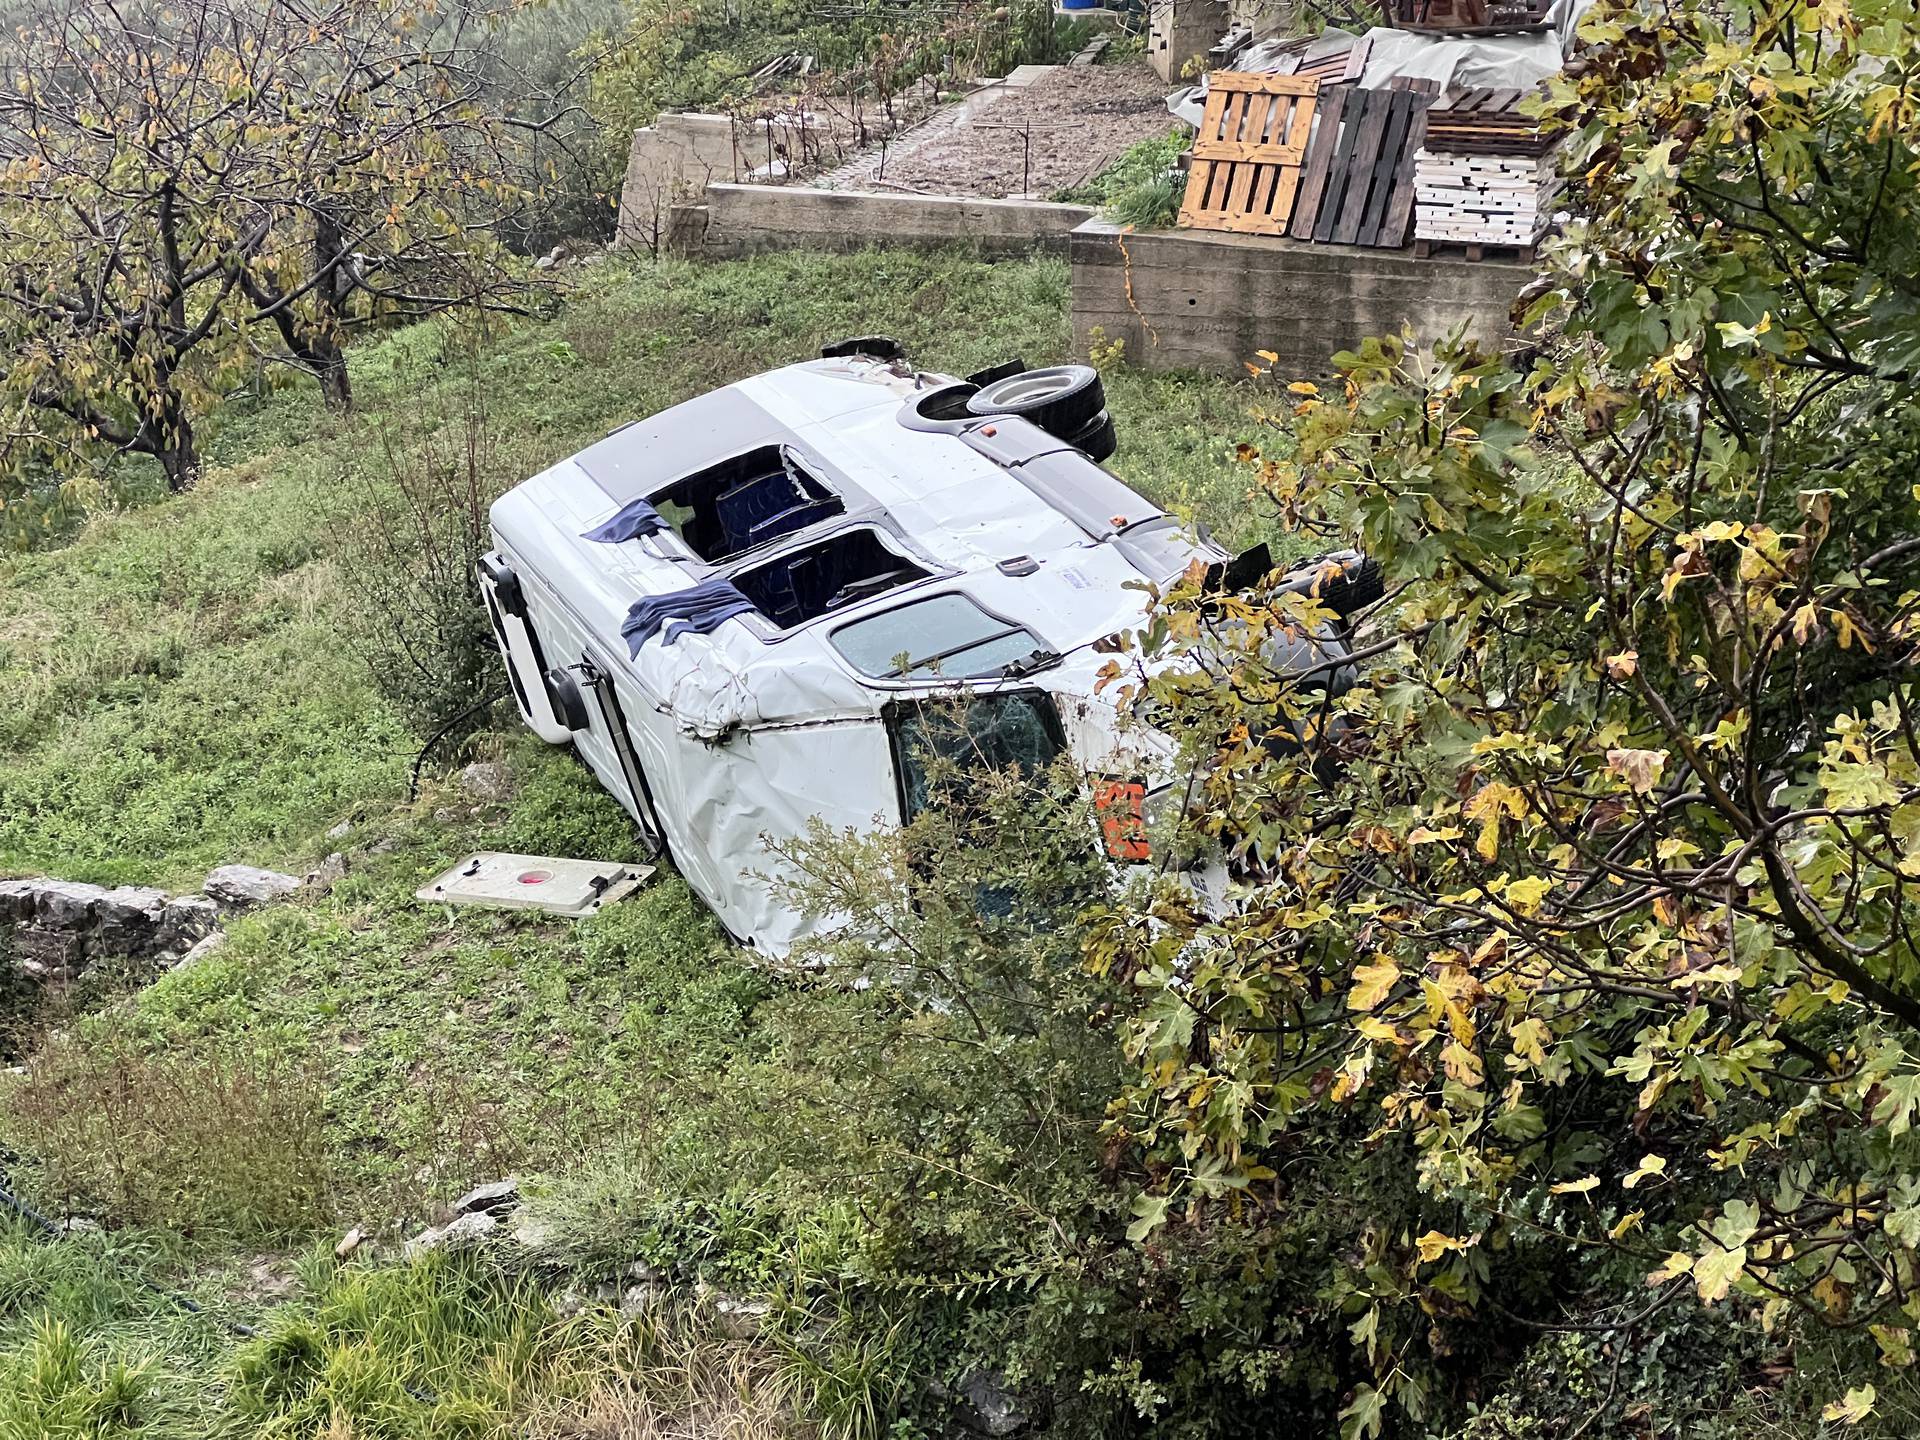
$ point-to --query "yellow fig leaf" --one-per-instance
(1675, 1265)
(1853, 1407)
(1715, 1272)
(1630, 1221)
(1648, 1168)
(1371, 984)
(1434, 1244)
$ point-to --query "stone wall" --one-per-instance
(55, 929)
(747, 219)
(1199, 300)
(52, 931)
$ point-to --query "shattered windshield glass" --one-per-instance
(991, 732)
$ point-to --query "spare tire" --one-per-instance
(1098, 440)
(1061, 399)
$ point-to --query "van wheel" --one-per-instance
(1061, 399)
(1355, 584)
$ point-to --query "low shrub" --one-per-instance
(1142, 186)
(215, 1139)
(408, 520)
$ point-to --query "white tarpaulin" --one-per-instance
(1494, 62)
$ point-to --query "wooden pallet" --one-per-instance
(1340, 67)
(1486, 122)
(1472, 250)
(1471, 17)
(1248, 153)
(1357, 186)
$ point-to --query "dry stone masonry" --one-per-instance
(53, 931)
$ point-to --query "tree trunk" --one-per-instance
(178, 458)
(169, 440)
(327, 357)
(330, 365)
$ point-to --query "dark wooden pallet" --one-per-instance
(1342, 67)
(1471, 17)
(1357, 184)
(1248, 151)
(1452, 145)
(1472, 250)
(1488, 122)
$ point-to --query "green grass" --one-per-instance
(88, 1352)
(95, 1344)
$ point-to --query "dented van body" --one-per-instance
(787, 569)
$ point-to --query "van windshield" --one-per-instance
(1018, 728)
(946, 635)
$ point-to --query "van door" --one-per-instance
(520, 648)
(610, 722)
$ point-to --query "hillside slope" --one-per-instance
(179, 688)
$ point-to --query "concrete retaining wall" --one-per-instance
(669, 162)
(1207, 301)
(747, 219)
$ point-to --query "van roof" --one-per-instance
(1029, 529)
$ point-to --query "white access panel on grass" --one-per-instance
(571, 888)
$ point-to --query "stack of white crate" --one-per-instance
(1467, 199)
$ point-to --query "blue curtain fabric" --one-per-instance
(636, 517)
(700, 608)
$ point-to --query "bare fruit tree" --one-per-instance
(188, 191)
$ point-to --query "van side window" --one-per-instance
(988, 732)
(744, 502)
(816, 578)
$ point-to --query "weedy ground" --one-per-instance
(179, 689)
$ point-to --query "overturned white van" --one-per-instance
(736, 609)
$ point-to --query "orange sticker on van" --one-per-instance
(1120, 804)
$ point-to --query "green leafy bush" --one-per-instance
(409, 522)
(1142, 186)
(1588, 899)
